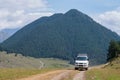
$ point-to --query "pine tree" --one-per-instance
(114, 50)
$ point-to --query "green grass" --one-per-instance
(114, 64)
(103, 74)
(56, 63)
(109, 72)
(12, 74)
(19, 61)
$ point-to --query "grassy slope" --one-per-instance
(115, 64)
(12, 67)
(109, 72)
(19, 61)
(55, 63)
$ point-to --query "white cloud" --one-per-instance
(17, 13)
(110, 19)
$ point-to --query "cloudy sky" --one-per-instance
(18, 13)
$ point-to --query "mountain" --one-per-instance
(62, 36)
(6, 33)
(10, 31)
(3, 36)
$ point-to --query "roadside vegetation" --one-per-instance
(113, 50)
(111, 71)
(108, 72)
(103, 74)
(13, 74)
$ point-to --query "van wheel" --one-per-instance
(76, 68)
(86, 68)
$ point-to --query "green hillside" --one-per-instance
(18, 61)
(62, 36)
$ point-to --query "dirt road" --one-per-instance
(45, 76)
(59, 75)
(80, 76)
(62, 75)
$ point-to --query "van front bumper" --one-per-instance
(81, 65)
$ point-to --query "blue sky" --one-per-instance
(18, 13)
(87, 6)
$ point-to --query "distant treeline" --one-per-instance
(114, 50)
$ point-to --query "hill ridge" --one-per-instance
(62, 36)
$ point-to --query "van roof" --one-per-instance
(79, 55)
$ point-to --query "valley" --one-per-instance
(46, 49)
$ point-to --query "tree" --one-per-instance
(114, 50)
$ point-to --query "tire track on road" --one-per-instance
(80, 76)
(62, 75)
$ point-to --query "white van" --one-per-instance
(81, 62)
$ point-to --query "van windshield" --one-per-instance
(81, 58)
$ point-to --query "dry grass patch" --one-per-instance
(103, 74)
(12, 74)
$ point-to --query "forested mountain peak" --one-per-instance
(62, 36)
(74, 12)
